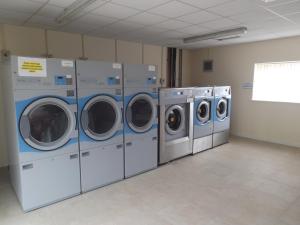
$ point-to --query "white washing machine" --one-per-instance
(140, 118)
(176, 123)
(100, 105)
(41, 108)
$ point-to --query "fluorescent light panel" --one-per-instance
(221, 35)
(73, 10)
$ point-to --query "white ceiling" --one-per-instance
(163, 22)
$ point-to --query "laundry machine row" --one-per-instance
(74, 126)
(192, 120)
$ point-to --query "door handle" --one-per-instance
(76, 119)
(119, 146)
(128, 143)
(73, 156)
(27, 166)
(85, 154)
(154, 138)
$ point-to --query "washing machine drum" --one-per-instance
(221, 109)
(101, 117)
(140, 113)
(47, 124)
(175, 119)
(203, 111)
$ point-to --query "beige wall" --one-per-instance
(186, 68)
(129, 52)
(233, 65)
(39, 42)
(96, 48)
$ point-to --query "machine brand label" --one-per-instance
(151, 68)
(117, 66)
(32, 67)
(67, 63)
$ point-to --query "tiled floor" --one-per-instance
(243, 182)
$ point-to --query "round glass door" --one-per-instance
(203, 111)
(175, 119)
(47, 124)
(140, 113)
(101, 117)
(222, 109)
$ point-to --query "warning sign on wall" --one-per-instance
(32, 67)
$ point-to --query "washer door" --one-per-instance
(140, 113)
(47, 124)
(101, 117)
(222, 109)
(203, 111)
(175, 119)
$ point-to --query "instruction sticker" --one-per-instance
(151, 68)
(67, 63)
(117, 66)
(32, 67)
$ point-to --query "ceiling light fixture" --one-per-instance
(73, 10)
(221, 35)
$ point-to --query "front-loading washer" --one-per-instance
(176, 123)
(203, 118)
(221, 111)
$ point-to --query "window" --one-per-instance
(277, 82)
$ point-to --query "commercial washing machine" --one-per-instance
(222, 110)
(203, 118)
(176, 123)
(140, 118)
(42, 136)
(100, 105)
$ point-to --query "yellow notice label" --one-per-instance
(32, 67)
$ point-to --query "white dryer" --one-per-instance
(41, 111)
(100, 105)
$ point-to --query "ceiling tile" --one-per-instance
(96, 20)
(146, 18)
(25, 6)
(199, 17)
(122, 26)
(256, 16)
(295, 17)
(286, 9)
(204, 4)
(78, 27)
(116, 11)
(51, 11)
(61, 3)
(173, 9)
(140, 4)
(42, 21)
(8, 16)
(194, 30)
(234, 7)
(272, 3)
(220, 24)
(172, 25)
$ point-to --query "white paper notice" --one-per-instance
(67, 63)
(151, 68)
(32, 67)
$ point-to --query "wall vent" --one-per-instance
(208, 65)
